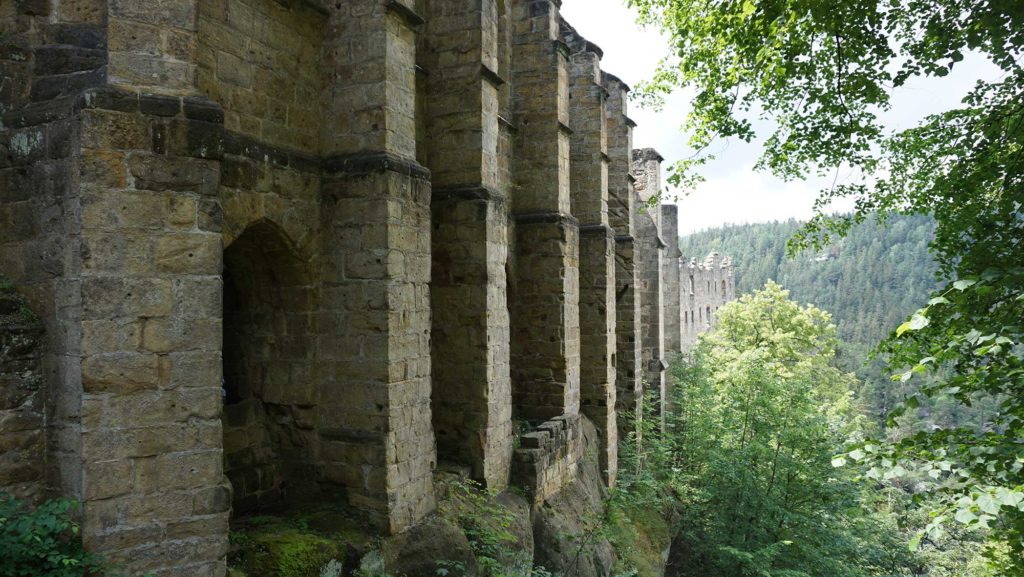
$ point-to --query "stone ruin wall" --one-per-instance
(646, 172)
(706, 286)
(285, 250)
(22, 398)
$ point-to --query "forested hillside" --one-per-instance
(870, 281)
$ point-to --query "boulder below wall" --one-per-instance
(418, 551)
(567, 534)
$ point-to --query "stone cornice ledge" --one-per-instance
(597, 230)
(363, 163)
(411, 17)
(467, 192)
(546, 218)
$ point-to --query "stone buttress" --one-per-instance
(646, 168)
(621, 209)
(472, 394)
(670, 278)
(375, 423)
(545, 301)
(589, 187)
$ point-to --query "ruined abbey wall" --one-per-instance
(706, 286)
(292, 250)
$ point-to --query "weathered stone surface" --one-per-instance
(253, 294)
(646, 171)
(417, 552)
(566, 525)
(621, 216)
(589, 180)
(471, 396)
(706, 285)
(22, 397)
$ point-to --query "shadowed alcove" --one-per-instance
(269, 398)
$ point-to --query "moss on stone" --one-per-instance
(299, 544)
(285, 552)
(640, 537)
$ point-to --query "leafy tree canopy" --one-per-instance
(759, 411)
(821, 71)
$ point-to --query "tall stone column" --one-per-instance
(589, 187)
(374, 410)
(143, 347)
(545, 310)
(154, 492)
(671, 276)
(621, 208)
(472, 394)
(647, 171)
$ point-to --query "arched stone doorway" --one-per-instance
(269, 395)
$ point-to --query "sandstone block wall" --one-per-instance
(22, 398)
(472, 387)
(671, 296)
(291, 250)
(706, 286)
(646, 170)
(261, 60)
(545, 314)
(589, 197)
(547, 458)
(622, 208)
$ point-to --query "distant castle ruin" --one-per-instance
(289, 250)
(706, 286)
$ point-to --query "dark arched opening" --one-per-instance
(269, 398)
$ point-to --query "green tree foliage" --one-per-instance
(760, 411)
(870, 280)
(821, 71)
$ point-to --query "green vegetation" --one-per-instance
(487, 525)
(745, 460)
(308, 542)
(287, 552)
(870, 281)
(818, 73)
(43, 541)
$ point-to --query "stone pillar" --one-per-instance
(670, 277)
(589, 180)
(375, 423)
(103, 219)
(545, 313)
(646, 168)
(621, 206)
(149, 289)
(472, 394)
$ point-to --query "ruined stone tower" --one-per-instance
(293, 250)
(706, 286)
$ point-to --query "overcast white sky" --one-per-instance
(733, 192)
